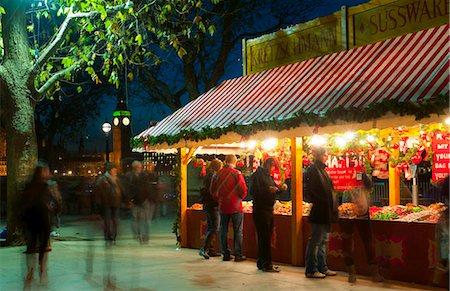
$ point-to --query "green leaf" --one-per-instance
(202, 27)
(182, 52)
(2, 10)
(138, 38)
(79, 89)
(211, 29)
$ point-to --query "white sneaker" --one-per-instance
(54, 234)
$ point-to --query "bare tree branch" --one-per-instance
(58, 75)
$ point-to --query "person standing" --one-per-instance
(40, 202)
(210, 207)
(138, 186)
(361, 225)
(263, 189)
(319, 189)
(229, 188)
(109, 198)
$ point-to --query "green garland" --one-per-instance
(176, 223)
(419, 110)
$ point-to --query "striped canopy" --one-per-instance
(409, 68)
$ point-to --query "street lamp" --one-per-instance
(106, 127)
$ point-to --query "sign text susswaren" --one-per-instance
(398, 18)
(293, 47)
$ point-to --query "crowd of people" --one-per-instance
(222, 194)
(42, 204)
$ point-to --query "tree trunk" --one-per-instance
(21, 152)
(17, 108)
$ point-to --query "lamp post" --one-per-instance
(106, 127)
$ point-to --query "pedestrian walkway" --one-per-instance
(80, 261)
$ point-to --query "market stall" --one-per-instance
(391, 94)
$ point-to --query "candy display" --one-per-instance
(409, 213)
(405, 213)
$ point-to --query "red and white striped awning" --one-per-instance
(409, 68)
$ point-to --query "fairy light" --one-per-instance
(251, 144)
(341, 142)
(370, 138)
(348, 136)
(447, 121)
(317, 140)
(269, 144)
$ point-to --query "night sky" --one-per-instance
(142, 115)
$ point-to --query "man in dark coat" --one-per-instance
(319, 188)
(263, 190)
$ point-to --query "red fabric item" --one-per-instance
(228, 188)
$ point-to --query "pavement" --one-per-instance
(80, 261)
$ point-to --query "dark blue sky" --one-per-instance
(142, 115)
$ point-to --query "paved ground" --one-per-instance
(160, 265)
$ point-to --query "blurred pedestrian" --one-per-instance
(109, 197)
(40, 202)
(263, 189)
(138, 188)
(360, 224)
(210, 207)
(319, 189)
(229, 188)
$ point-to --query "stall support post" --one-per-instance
(394, 183)
(297, 202)
(183, 192)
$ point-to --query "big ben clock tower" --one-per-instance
(121, 130)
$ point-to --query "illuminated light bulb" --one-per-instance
(349, 135)
(269, 144)
(370, 138)
(317, 140)
(251, 144)
(340, 141)
(447, 121)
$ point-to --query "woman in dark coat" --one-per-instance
(40, 201)
(211, 211)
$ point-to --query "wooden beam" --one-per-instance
(394, 183)
(297, 202)
(189, 155)
(183, 202)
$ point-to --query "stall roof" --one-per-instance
(409, 68)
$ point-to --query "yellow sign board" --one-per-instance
(315, 38)
(379, 20)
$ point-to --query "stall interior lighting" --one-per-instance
(370, 138)
(341, 142)
(317, 140)
(269, 144)
(349, 136)
(251, 144)
(447, 121)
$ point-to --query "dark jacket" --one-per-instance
(108, 191)
(205, 192)
(319, 188)
(260, 182)
(140, 187)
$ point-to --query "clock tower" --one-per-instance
(121, 130)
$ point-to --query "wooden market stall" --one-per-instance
(392, 84)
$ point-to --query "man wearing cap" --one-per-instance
(319, 187)
(229, 188)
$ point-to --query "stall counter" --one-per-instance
(406, 251)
